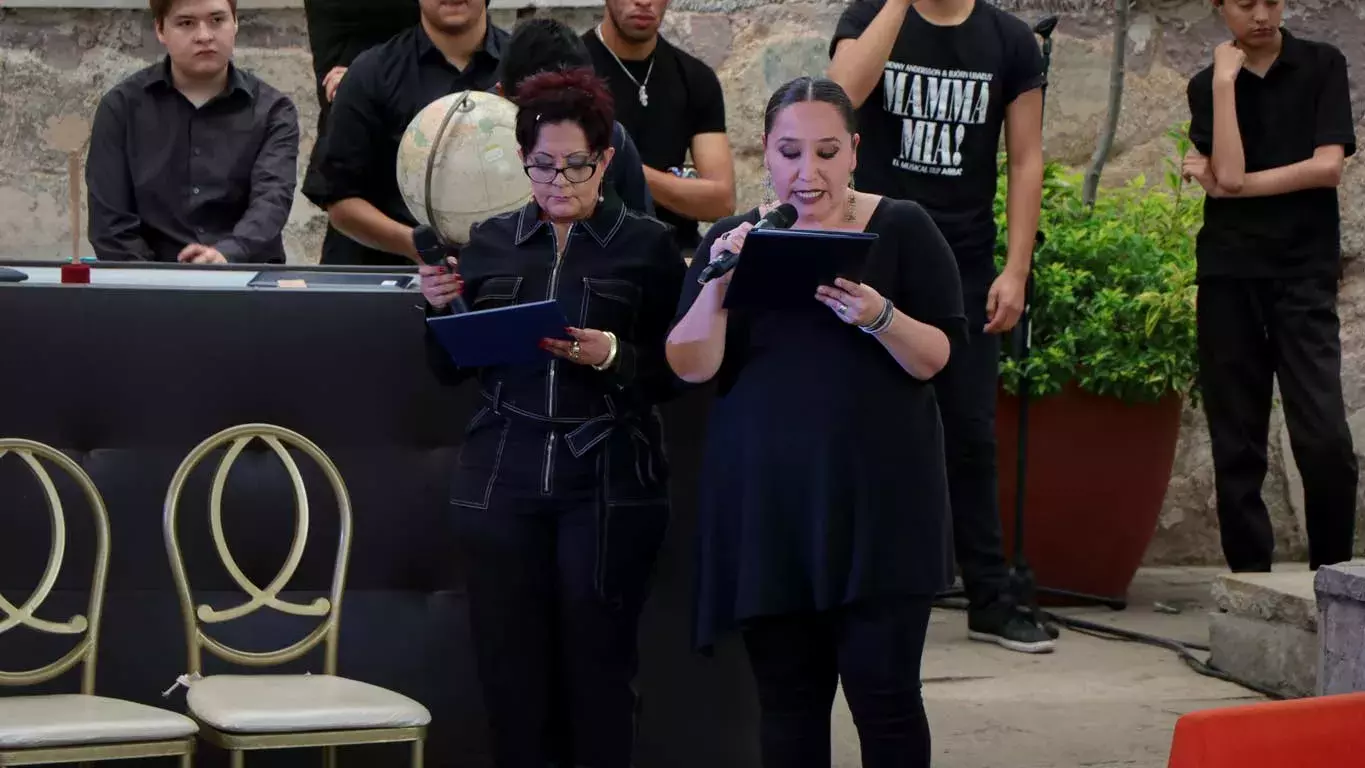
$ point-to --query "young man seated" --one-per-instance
(192, 160)
(1272, 122)
(543, 44)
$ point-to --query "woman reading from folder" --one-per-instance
(560, 495)
(824, 499)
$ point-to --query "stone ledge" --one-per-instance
(1341, 606)
(1279, 598)
(1279, 657)
(1346, 581)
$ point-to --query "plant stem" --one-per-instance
(1111, 125)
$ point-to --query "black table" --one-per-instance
(126, 379)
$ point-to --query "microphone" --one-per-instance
(781, 217)
(433, 252)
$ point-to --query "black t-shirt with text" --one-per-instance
(685, 100)
(931, 131)
(1303, 102)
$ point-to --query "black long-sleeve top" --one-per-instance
(162, 174)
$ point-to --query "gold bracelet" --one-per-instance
(611, 354)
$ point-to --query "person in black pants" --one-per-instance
(1271, 123)
(937, 84)
(823, 507)
(560, 494)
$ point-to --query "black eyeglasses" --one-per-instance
(574, 174)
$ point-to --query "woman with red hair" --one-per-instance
(560, 494)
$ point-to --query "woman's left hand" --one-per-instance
(854, 303)
(589, 347)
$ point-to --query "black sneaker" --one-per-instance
(1005, 626)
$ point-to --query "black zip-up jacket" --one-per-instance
(620, 272)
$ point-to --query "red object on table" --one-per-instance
(76, 271)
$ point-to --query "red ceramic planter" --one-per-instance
(1097, 474)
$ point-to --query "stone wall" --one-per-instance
(55, 64)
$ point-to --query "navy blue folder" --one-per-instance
(502, 336)
(779, 269)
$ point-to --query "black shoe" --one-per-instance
(1001, 623)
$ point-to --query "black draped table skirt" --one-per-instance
(127, 377)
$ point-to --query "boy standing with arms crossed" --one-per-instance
(1272, 124)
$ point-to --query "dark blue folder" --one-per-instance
(779, 269)
(502, 336)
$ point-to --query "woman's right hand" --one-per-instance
(730, 242)
(441, 284)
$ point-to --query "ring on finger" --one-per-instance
(575, 350)
(842, 309)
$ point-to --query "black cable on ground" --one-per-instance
(1106, 632)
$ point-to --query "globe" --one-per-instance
(462, 148)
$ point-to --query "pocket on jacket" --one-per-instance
(480, 459)
(609, 304)
(496, 292)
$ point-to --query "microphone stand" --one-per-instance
(1023, 585)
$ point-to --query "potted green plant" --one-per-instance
(1113, 358)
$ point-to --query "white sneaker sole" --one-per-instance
(1042, 646)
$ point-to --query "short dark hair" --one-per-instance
(162, 8)
(804, 89)
(574, 95)
(540, 45)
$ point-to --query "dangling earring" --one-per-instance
(851, 214)
(769, 193)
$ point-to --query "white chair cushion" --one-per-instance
(293, 703)
(30, 722)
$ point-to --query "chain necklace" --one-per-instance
(644, 93)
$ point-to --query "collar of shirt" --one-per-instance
(1293, 54)
(494, 39)
(602, 225)
(160, 77)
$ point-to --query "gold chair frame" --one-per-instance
(12, 616)
(237, 744)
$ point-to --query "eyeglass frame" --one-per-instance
(558, 171)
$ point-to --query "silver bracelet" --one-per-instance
(883, 320)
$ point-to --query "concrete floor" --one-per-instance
(1093, 703)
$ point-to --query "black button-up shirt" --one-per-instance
(163, 174)
(382, 92)
(1303, 102)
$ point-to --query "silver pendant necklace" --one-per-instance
(644, 92)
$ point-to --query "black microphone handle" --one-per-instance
(718, 267)
(727, 262)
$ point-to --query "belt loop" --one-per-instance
(611, 405)
(497, 399)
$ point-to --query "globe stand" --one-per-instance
(462, 104)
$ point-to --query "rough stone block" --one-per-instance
(1282, 597)
(1280, 657)
(1341, 610)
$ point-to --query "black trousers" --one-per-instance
(966, 392)
(555, 594)
(875, 648)
(1249, 332)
